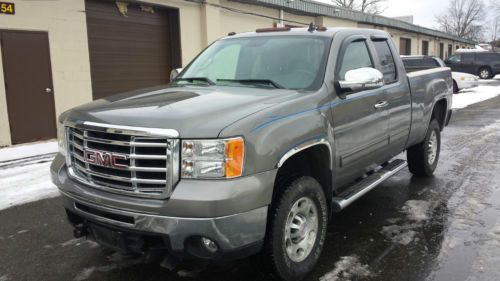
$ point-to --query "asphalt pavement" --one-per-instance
(442, 228)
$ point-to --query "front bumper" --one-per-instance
(233, 213)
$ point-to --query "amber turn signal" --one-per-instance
(234, 152)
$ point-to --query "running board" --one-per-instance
(362, 187)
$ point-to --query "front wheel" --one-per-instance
(423, 157)
(297, 229)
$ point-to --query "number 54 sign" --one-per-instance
(7, 8)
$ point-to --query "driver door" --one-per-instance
(360, 119)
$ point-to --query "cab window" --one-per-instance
(387, 64)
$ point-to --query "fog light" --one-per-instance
(209, 245)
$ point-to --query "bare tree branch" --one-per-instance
(463, 18)
(365, 6)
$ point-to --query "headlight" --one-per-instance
(212, 158)
(61, 135)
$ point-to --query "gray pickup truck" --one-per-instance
(252, 148)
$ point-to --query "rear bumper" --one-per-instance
(466, 84)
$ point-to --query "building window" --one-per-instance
(457, 47)
(425, 48)
(404, 46)
(450, 50)
(441, 50)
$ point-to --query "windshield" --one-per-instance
(291, 62)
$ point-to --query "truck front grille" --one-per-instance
(119, 161)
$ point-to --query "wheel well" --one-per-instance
(313, 162)
(439, 112)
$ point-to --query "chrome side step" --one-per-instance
(362, 187)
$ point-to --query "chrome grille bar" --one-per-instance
(135, 161)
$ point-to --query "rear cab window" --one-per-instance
(387, 64)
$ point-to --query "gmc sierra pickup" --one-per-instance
(251, 148)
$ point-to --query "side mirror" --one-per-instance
(174, 73)
(361, 79)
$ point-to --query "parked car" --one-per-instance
(484, 64)
(461, 80)
(252, 148)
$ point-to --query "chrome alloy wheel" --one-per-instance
(301, 229)
(432, 148)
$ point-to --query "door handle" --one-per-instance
(48, 90)
(381, 104)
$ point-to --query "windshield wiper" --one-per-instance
(253, 82)
(192, 79)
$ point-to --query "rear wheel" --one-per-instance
(484, 73)
(423, 157)
(455, 87)
(297, 229)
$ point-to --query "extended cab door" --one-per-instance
(395, 92)
(360, 118)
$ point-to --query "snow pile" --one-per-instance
(23, 184)
(27, 150)
(348, 268)
(474, 95)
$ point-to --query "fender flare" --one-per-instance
(303, 146)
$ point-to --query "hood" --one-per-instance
(194, 111)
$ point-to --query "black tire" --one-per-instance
(485, 72)
(455, 87)
(418, 156)
(275, 252)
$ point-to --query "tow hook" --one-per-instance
(80, 231)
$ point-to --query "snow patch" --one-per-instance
(119, 261)
(348, 268)
(4, 277)
(72, 242)
(417, 210)
(22, 231)
(24, 184)
(27, 150)
(85, 274)
(474, 95)
(400, 234)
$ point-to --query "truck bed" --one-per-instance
(426, 87)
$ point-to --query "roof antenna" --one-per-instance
(311, 27)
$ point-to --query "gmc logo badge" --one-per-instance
(104, 159)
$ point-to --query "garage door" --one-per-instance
(131, 46)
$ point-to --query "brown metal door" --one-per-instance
(130, 48)
(28, 84)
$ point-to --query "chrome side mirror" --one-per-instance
(360, 79)
(174, 73)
